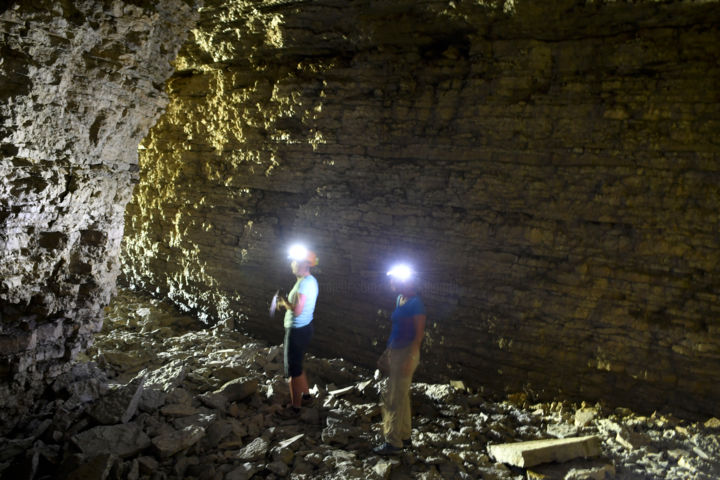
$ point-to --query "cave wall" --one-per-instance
(80, 85)
(551, 168)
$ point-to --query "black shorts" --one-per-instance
(296, 342)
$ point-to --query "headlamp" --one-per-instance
(298, 252)
(401, 272)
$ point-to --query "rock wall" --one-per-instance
(80, 85)
(551, 168)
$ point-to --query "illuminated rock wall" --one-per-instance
(552, 172)
(80, 85)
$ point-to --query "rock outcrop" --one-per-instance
(80, 84)
(550, 167)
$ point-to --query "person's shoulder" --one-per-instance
(418, 303)
(310, 281)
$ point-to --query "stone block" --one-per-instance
(122, 440)
(237, 390)
(119, 405)
(536, 452)
(596, 469)
(171, 443)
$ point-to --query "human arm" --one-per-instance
(296, 307)
(419, 324)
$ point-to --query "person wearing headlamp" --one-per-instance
(400, 359)
(299, 306)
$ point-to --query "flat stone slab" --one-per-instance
(536, 452)
(593, 469)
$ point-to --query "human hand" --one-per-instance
(411, 362)
(383, 363)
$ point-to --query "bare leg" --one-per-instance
(298, 386)
(303, 384)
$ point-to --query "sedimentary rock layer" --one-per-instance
(80, 84)
(551, 168)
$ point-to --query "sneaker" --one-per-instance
(386, 449)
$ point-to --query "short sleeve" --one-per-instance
(308, 287)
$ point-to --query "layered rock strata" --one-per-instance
(80, 84)
(551, 168)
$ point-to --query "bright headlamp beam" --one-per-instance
(298, 252)
(401, 272)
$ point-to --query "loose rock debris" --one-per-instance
(161, 397)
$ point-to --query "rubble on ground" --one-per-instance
(161, 397)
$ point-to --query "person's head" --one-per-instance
(403, 279)
(301, 260)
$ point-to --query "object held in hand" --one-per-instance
(274, 303)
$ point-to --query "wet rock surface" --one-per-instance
(162, 397)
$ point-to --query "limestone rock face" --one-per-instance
(550, 168)
(80, 84)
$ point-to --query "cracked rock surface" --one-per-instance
(161, 396)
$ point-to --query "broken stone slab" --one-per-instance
(178, 410)
(282, 454)
(584, 417)
(631, 440)
(119, 405)
(80, 467)
(596, 469)
(536, 452)
(439, 393)
(85, 382)
(255, 450)
(124, 440)
(214, 400)
(199, 419)
(712, 423)
(278, 467)
(147, 465)
(215, 432)
(227, 374)
(383, 468)
(11, 448)
(562, 430)
(341, 391)
(238, 389)
(361, 386)
(290, 441)
(243, 472)
(339, 434)
(171, 443)
(159, 383)
(128, 361)
(310, 416)
(458, 385)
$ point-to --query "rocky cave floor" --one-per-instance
(161, 397)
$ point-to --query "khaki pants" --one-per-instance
(396, 398)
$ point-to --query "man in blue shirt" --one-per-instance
(300, 306)
(400, 359)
